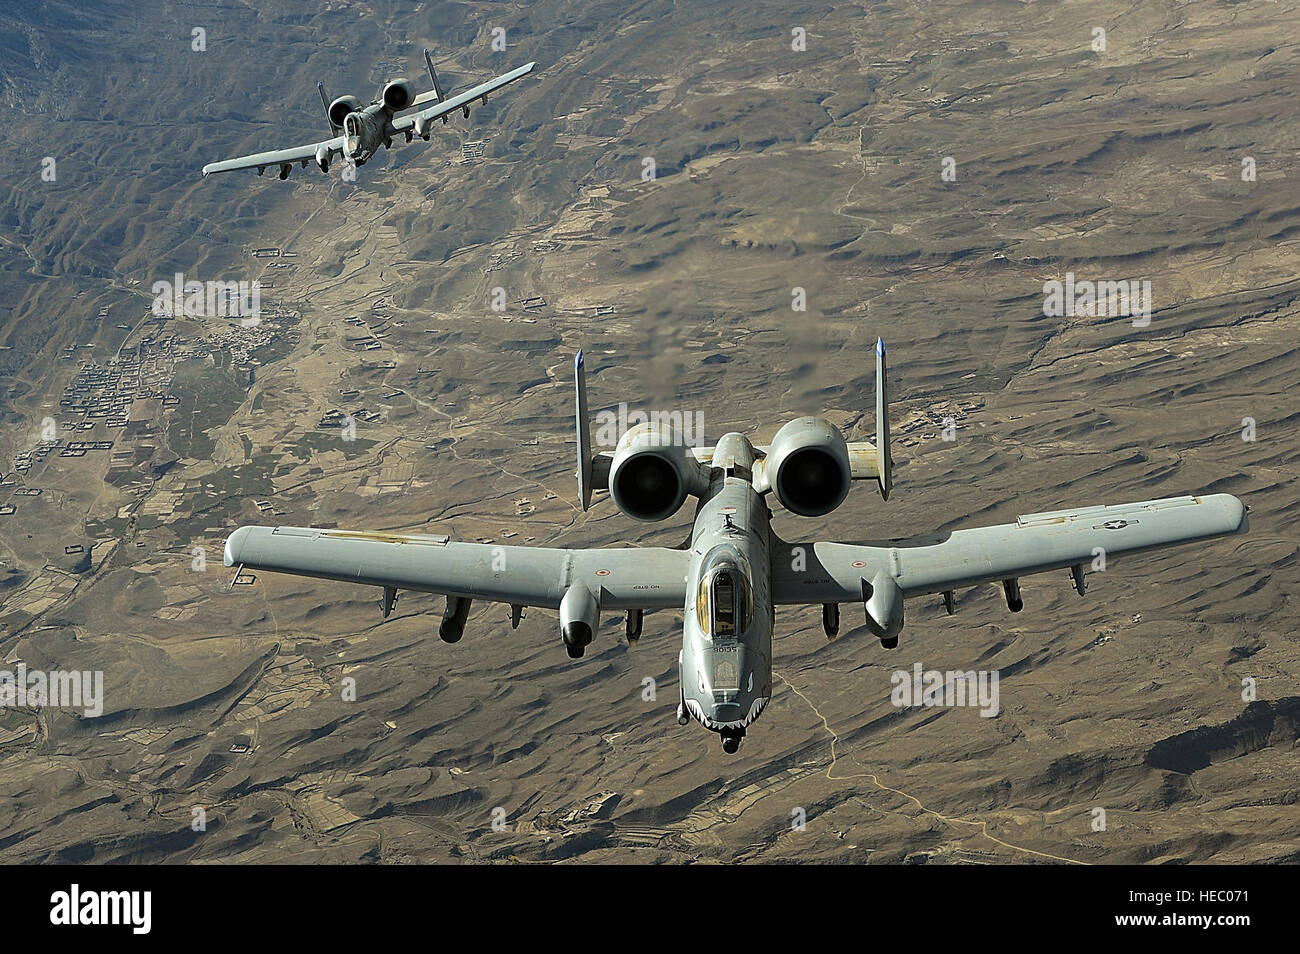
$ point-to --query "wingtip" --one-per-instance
(1241, 512)
(880, 347)
(233, 544)
(579, 362)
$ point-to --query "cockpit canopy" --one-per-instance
(724, 604)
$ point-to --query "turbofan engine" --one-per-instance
(399, 94)
(340, 108)
(652, 472)
(808, 467)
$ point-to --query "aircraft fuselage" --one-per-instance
(726, 658)
(364, 131)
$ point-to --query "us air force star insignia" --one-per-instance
(1115, 524)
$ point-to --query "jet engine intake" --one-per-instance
(399, 94)
(340, 108)
(652, 472)
(808, 467)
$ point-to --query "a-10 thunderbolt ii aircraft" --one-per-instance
(735, 570)
(357, 131)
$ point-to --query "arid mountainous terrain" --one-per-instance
(911, 170)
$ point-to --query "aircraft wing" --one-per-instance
(278, 158)
(620, 578)
(461, 100)
(1036, 543)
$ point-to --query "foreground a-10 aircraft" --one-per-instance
(735, 570)
(358, 131)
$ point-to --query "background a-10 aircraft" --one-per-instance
(735, 570)
(357, 130)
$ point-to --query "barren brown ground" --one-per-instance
(776, 169)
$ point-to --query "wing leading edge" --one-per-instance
(844, 572)
(620, 578)
(461, 101)
(278, 158)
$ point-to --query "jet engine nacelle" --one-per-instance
(399, 94)
(808, 467)
(340, 108)
(652, 472)
(579, 618)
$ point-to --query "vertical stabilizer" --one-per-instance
(885, 460)
(584, 432)
(325, 101)
(433, 75)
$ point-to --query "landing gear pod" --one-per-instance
(885, 609)
(453, 619)
(579, 617)
(831, 619)
(634, 620)
(1011, 589)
